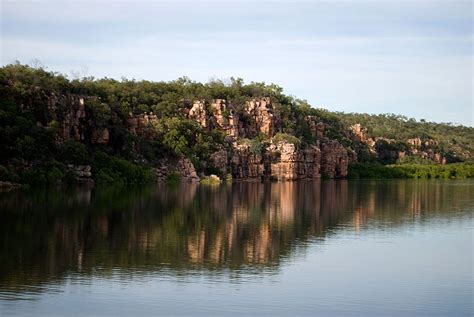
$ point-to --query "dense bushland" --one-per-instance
(31, 152)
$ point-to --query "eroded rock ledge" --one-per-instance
(276, 159)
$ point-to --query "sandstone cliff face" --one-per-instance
(101, 136)
(293, 164)
(224, 118)
(262, 120)
(317, 128)
(199, 113)
(218, 114)
(244, 164)
(387, 149)
(334, 159)
(69, 111)
(219, 160)
(139, 125)
(284, 161)
(279, 161)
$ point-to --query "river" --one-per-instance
(344, 248)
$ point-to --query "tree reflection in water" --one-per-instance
(52, 234)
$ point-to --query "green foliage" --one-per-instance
(455, 141)
(7, 175)
(110, 169)
(255, 146)
(74, 153)
(173, 177)
(285, 137)
(376, 170)
(32, 151)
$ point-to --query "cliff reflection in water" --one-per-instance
(48, 235)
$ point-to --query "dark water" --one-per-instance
(305, 248)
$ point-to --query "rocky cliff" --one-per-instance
(391, 150)
(272, 159)
(279, 160)
(52, 128)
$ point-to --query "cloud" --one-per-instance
(409, 58)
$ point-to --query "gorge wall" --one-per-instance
(52, 129)
(278, 158)
(274, 157)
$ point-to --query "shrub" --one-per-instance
(211, 180)
(255, 146)
(288, 138)
(173, 177)
(375, 170)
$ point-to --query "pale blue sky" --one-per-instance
(406, 57)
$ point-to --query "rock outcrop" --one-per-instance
(284, 161)
(317, 127)
(139, 125)
(70, 112)
(224, 118)
(260, 112)
(82, 173)
(244, 164)
(334, 159)
(388, 150)
(101, 136)
(289, 163)
(219, 160)
(199, 113)
(182, 167)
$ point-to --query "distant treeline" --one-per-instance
(454, 141)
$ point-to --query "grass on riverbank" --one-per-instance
(374, 170)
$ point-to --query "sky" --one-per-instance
(406, 57)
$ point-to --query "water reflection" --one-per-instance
(51, 235)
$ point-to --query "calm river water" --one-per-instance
(299, 248)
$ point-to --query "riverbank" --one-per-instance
(423, 171)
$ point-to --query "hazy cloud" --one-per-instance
(409, 57)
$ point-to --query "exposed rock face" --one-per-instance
(101, 136)
(139, 125)
(262, 119)
(359, 133)
(219, 107)
(388, 150)
(183, 166)
(283, 161)
(199, 113)
(438, 158)
(293, 164)
(219, 161)
(225, 119)
(82, 173)
(220, 116)
(244, 164)
(317, 128)
(70, 112)
(334, 159)
(416, 142)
